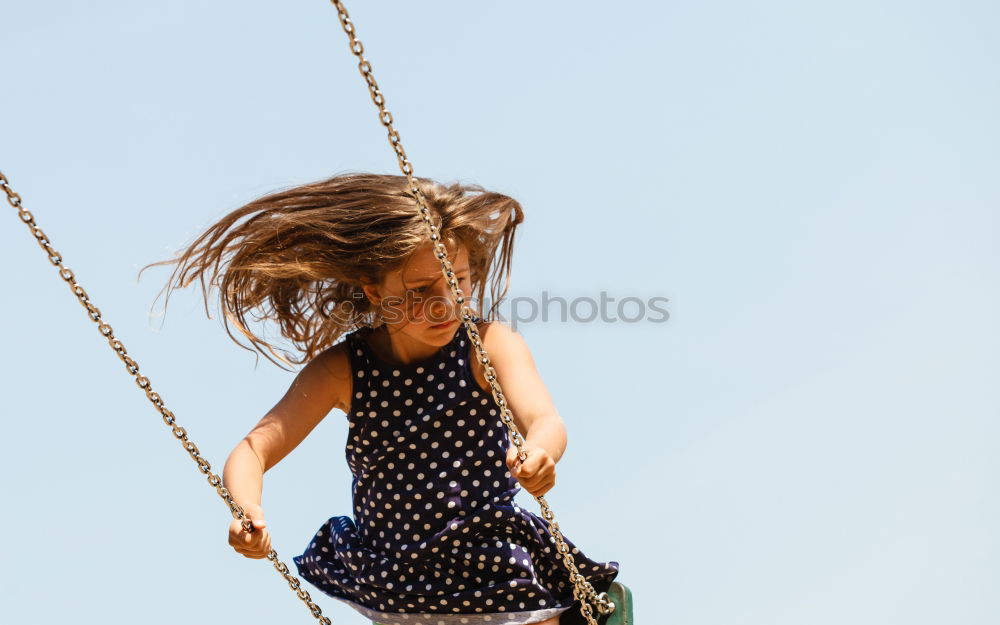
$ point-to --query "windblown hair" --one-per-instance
(299, 256)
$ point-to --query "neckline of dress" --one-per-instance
(433, 358)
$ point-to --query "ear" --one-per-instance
(371, 291)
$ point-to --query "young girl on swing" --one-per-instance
(435, 536)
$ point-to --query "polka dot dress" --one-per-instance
(436, 538)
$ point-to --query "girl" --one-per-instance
(435, 536)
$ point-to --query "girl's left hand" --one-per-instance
(538, 473)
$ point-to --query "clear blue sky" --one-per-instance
(813, 435)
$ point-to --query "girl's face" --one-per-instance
(417, 297)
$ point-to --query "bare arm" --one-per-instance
(243, 476)
(323, 384)
(527, 397)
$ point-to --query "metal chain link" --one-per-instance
(143, 382)
(583, 590)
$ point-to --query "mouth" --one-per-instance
(446, 324)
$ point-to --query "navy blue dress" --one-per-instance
(436, 537)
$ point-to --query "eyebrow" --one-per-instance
(429, 280)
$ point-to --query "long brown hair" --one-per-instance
(299, 256)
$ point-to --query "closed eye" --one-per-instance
(423, 288)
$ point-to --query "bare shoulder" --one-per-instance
(322, 385)
(528, 398)
(498, 334)
(504, 345)
(332, 369)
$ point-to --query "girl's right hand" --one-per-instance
(256, 544)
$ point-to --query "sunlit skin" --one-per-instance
(415, 298)
(406, 336)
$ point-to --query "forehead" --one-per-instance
(424, 264)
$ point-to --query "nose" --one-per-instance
(442, 306)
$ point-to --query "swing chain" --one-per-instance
(143, 382)
(583, 590)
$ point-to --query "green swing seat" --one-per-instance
(621, 596)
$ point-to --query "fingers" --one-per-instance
(257, 550)
(517, 468)
(542, 489)
(537, 474)
(256, 544)
(535, 468)
(512, 458)
(538, 483)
